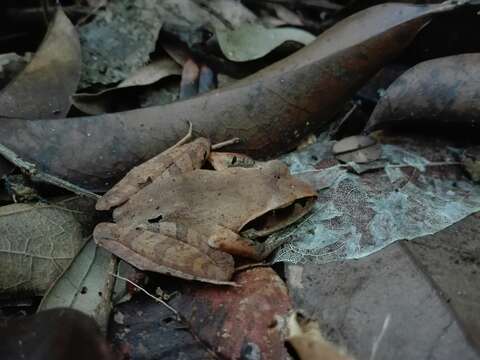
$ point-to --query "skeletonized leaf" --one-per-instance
(86, 285)
(253, 41)
(103, 101)
(42, 90)
(299, 95)
(37, 243)
(443, 90)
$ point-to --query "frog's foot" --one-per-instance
(228, 241)
(170, 249)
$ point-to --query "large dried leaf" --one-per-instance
(440, 91)
(43, 88)
(253, 41)
(232, 322)
(86, 285)
(37, 244)
(299, 94)
(412, 300)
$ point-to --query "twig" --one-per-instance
(31, 169)
(179, 317)
(225, 143)
(157, 299)
(91, 13)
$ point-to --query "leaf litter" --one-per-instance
(227, 112)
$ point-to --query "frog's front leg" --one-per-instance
(166, 248)
(230, 242)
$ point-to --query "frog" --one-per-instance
(175, 216)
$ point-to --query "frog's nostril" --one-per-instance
(155, 219)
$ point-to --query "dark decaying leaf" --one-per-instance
(440, 91)
(107, 100)
(43, 89)
(37, 244)
(417, 299)
(53, 335)
(118, 41)
(231, 322)
(270, 111)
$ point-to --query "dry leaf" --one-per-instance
(239, 320)
(332, 68)
(253, 41)
(440, 91)
(37, 244)
(86, 285)
(106, 100)
(43, 89)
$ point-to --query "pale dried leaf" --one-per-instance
(86, 285)
(37, 244)
(253, 41)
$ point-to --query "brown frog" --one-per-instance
(175, 218)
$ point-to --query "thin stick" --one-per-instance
(31, 169)
(225, 143)
(157, 299)
(185, 139)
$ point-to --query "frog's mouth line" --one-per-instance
(277, 219)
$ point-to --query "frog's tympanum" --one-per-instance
(173, 217)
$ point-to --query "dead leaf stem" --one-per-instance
(225, 143)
